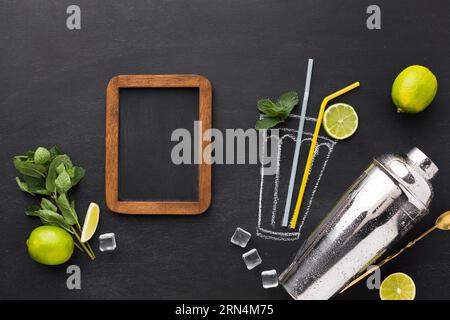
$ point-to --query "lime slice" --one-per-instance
(340, 121)
(398, 286)
(90, 222)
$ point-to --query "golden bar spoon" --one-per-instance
(442, 223)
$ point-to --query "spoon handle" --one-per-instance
(388, 258)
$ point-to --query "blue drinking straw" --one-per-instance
(298, 144)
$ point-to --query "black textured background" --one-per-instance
(52, 91)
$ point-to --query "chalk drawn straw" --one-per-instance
(312, 148)
(298, 144)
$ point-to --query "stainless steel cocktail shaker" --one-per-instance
(382, 205)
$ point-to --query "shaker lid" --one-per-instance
(413, 172)
(420, 159)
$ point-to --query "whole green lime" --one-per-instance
(50, 245)
(414, 89)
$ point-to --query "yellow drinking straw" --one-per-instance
(313, 147)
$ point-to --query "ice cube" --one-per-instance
(251, 259)
(107, 242)
(240, 237)
(269, 279)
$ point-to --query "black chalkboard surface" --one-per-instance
(53, 84)
(147, 119)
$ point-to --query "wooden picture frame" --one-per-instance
(112, 144)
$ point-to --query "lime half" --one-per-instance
(340, 121)
(398, 286)
(90, 222)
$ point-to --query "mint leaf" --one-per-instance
(51, 218)
(69, 213)
(31, 188)
(61, 168)
(287, 102)
(23, 186)
(54, 152)
(41, 191)
(53, 174)
(270, 108)
(32, 211)
(28, 168)
(41, 155)
(77, 175)
(48, 205)
(36, 185)
(33, 182)
(63, 182)
(267, 123)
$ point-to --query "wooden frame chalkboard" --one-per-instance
(112, 144)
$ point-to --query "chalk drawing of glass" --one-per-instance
(274, 188)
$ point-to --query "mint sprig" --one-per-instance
(48, 175)
(276, 112)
